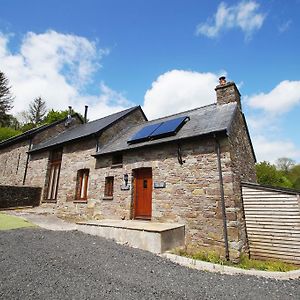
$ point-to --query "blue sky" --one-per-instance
(164, 55)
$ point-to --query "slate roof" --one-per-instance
(30, 133)
(83, 131)
(204, 120)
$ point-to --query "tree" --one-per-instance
(294, 176)
(6, 133)
(269, 175)
(6, 100)
(285, 164)
(55, 115)
(37, 110)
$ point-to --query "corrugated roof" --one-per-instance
(203, 120)
(83, 130)
(30, 133)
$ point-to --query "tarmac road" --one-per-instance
(41, 264)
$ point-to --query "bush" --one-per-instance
(245, 262)
(6, 133)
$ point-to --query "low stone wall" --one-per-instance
(16, 196)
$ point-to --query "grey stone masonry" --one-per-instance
(13, 158)
(227, 93)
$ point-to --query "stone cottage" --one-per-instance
(14, 156)
(185, 168)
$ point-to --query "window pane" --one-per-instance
(82, 184)
(55, 181)
(109, 186)
(50, 185)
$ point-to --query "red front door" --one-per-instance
(143, 193)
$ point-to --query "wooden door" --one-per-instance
(143, 194)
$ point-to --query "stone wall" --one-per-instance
(16, 196)
(77, 156)
(13, 163)
(191, 195)
(243, 169)
(13, 158)
(228, 93)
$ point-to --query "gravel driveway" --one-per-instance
(41, 264)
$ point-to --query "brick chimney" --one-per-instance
(227, 92)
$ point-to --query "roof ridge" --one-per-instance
(84, 130)
(32, 131)
(118, 112)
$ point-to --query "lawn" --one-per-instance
(11, 222)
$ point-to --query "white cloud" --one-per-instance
(244, 16)
(179, 90)
(108, 102)
(279, 100)
(271, 149)
(265, 122)
(284, 26)
(58, 67)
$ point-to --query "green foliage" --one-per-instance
(6, 133)
(265, 265)
(286, 175)
(27, 127)
(245, 261)
(294, 176)
(55, 115)
(6, 100)
(268, 174)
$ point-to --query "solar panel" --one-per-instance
(144, 133)
(170, 127)
(158, 130)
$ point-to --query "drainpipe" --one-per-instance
(222, 198)
(27, 160)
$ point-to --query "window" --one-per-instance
(117, 160)
(82, 184)
(109, 186)
(53, 175)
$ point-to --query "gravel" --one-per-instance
(42, 264)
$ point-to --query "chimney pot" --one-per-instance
(227, 92)
(222, 80)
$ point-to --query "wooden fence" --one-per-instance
(273, 222)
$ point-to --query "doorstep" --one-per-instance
(151, 236)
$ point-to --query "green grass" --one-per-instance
(11, 222)
(245, 262)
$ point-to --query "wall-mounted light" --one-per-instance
(126, 179)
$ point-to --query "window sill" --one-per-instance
(49, 201)
(80, 201)
(108, 198)
(115, 166)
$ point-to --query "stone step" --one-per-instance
(151, 236)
